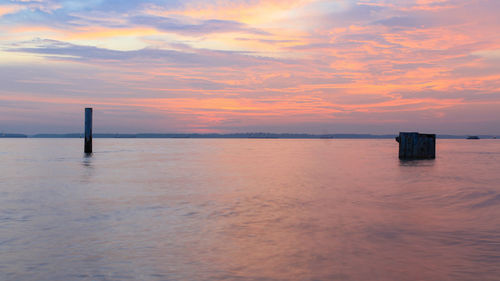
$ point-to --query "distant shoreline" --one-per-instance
(230, 136)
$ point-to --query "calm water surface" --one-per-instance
(238, 209)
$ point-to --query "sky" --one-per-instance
(294, 66)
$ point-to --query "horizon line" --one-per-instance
(232, 135)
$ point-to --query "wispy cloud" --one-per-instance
(53, 49)
(198, 28)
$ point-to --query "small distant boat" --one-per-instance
(472, 137)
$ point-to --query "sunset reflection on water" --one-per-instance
(245, 209)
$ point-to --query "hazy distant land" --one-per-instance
(13, 136)
(231, 136)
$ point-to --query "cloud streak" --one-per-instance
(203, 27)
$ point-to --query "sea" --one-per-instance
(248, 209)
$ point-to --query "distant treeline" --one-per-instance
(2, 135)
(220, 136)
(230, 136)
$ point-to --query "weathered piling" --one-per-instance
(88, 130)
(416, 146)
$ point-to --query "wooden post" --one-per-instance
(88, 130)
(416, 146)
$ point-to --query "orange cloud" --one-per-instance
(9, 9)
(103, 32)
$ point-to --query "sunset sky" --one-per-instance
(300, 66)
